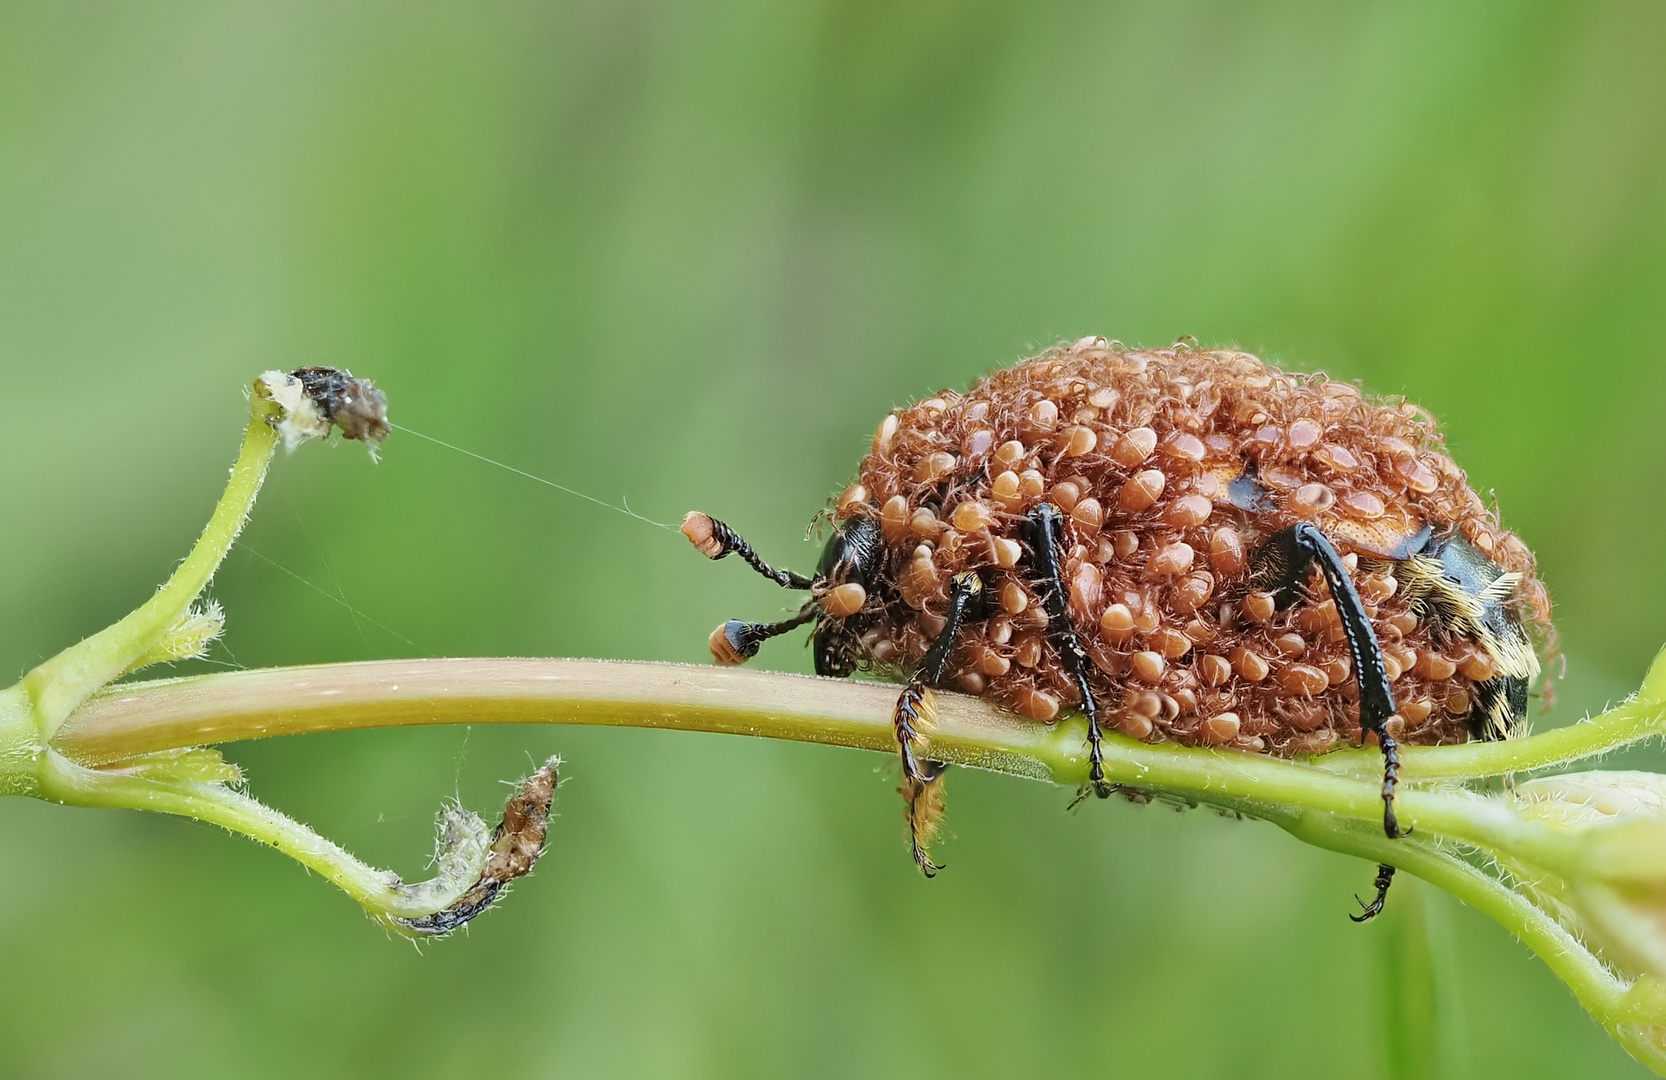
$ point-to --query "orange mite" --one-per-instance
(1180, 544)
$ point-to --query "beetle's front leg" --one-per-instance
(914, 717)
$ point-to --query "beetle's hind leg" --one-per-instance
(915, 716)
(1385, 878)
(1284, 560)
(1045, 534)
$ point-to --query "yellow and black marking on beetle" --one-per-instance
(1182, 544)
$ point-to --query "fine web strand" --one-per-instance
(233, 664)
(227, 664)
(335, 580)
(328, 595)
(618, 509)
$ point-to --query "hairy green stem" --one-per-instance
(63, 682)
(1330, 808)
(130, 719)
(380, 892)
(1632, 722)
(196, 784)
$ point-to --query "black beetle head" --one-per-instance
(852, 554)
(849, 569)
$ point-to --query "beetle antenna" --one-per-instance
(736, 642)
(715, 540)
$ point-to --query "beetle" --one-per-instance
(1181, 544)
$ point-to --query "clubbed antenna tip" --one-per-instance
(729, 645)
(701, 531)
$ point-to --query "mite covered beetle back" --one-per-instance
(1172, 468)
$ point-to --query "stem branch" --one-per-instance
(63, 682)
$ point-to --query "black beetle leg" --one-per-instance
(914, 717)
(1046, 535)
(1285, 558)
(1385, 878)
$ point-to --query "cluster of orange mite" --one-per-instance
(1141, 450)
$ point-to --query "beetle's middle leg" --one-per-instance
(915, 715)
(1045, 529)
(1285, 559)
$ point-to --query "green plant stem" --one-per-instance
(1641, 718)
(1319, 806)
(131, 719)
(35, 709)
(1600, 991)
(60, 684)
(379, 891)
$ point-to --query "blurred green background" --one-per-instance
(688, 254)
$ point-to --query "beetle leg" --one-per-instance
(1046, 536)
(914, 717)
(715, 540)
(1286, 557)
(1385, 878)
(736, 642)
(922, 781)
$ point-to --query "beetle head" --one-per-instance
(848, 570)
